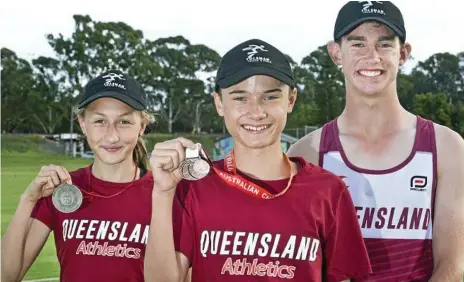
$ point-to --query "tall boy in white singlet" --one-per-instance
(405, 174)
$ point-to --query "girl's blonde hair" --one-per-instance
(140, 152)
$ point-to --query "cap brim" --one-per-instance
(248, 72)
(347, 29)
(116, 95)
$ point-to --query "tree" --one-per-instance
(439, 73)
(406, 90)
(96, 47)
(180, 85)
(434, 107)
(54, 107)
(17, 89)
(328, 85)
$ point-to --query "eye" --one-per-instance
(99, 121)
(239, 98)
(358, 45)
(272, 97)
(386, 45)
(125, 121)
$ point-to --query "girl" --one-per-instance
(100, 227)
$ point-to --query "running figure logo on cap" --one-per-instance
(369, 4)
(253, 50)
(110, 80)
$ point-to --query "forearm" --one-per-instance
(160, 256)
(14, 241)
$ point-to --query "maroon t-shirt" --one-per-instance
(309, 234)
(105, 239)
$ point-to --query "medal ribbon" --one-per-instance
(91, 195)
(232, 179)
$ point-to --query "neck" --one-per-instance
(119, 173)
(264, 163)
(373, 116)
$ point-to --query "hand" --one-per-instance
(165, 161)
(47, 180)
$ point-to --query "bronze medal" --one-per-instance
(194, 167)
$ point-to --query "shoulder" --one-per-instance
(307, 147)
(324, 180)
(450, 147)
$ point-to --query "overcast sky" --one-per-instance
(297, 27)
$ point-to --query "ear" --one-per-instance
(218, 103)
(405, 51)
(82, 124)
(334, 50)
(292, 99)
(142, 129)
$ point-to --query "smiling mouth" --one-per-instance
(370, 73)
(112, 149)
(256, 129)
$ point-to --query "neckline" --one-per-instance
(377, 171)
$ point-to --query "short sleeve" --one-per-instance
(345, 252)
(182, 221)
(45, 212)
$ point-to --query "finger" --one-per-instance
(187, 143)
(50, 184)
(40, 181)
(54, 177)
(184, 143)
(63, 174)
(163, 162)
(69, 176)
(177, 173)
(173, 154)
(171, 145)
(44, 168)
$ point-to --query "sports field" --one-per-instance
(17, 172)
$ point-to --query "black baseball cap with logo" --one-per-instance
(354, 13)
(115, 84)
(253, 57)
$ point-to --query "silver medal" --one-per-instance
(194, 167)
(67, 198)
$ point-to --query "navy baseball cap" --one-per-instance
(117, 85)
(253, 57)
(354, 13)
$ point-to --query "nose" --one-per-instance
(372, 54)
(256, 110)
(112, 134)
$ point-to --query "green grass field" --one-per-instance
(17, 172)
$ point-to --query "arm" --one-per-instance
(448, 224)
(170, 226)
(189, 276)
(162, 262)
(22, 242)
(307, 147)
(25, 237)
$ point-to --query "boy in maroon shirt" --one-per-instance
(258, 215)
